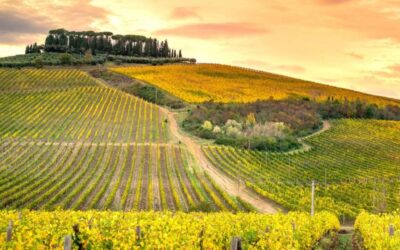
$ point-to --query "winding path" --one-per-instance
(227, 184)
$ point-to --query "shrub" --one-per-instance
(39, 62)
(207, 125)
(65, 59)
(118, 62)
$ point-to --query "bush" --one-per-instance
(39, 62)
(202, 207)
(118, 62)
(65, 59)
(259, 143)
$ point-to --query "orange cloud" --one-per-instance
(392, 71)
(271, 67)
(332, 1)
(291, 68)
(371, 19)
(184, 13)
(213, 30)
(355, 55)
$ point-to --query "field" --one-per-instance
(220, 83)
(104, 176)
(355, 164)
(13, 80)
(68, 141)
(116, 230)
(95, 114)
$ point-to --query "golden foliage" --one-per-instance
(166, 230)
(221, 83)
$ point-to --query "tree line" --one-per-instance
(64, 41)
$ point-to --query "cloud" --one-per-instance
(213, 30)
(184, 13)
(372, 19)
(355, 55)
(291, 68)
(330, 2)
(271, 67)
(392, 71)
(11, 23)
(20, 21)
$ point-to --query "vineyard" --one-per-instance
(94, 176)
(355, 164)
(150, 230)
(93, 114)
(221, 83)
(68, 141)
(13, 80)
(379, 231)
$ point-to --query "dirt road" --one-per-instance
(227, 184)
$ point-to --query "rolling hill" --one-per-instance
(71, 141)
(221, 83)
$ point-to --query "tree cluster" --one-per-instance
(335, 109)
(62, 41)
(301, 115)
(33, 48)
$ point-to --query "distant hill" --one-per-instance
(221, 83)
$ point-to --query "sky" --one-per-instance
(347, 43)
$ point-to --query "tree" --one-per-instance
(180, 54)
(49, 40)
(251, 120)
(154, 48)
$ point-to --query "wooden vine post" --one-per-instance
(138, 235)
(9, 231)
(391, 230)
(236, 243)
(312, 197)
(67, 242)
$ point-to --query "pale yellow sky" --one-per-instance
(347, 43)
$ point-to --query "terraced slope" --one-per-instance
(356, 164)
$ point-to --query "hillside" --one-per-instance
(70, 141)
(220, 83)
(355, 164)
(82, 142)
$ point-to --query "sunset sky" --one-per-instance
(347, 43)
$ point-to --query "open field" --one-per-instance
(356, 164)
(116, 230)
(220, 83)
